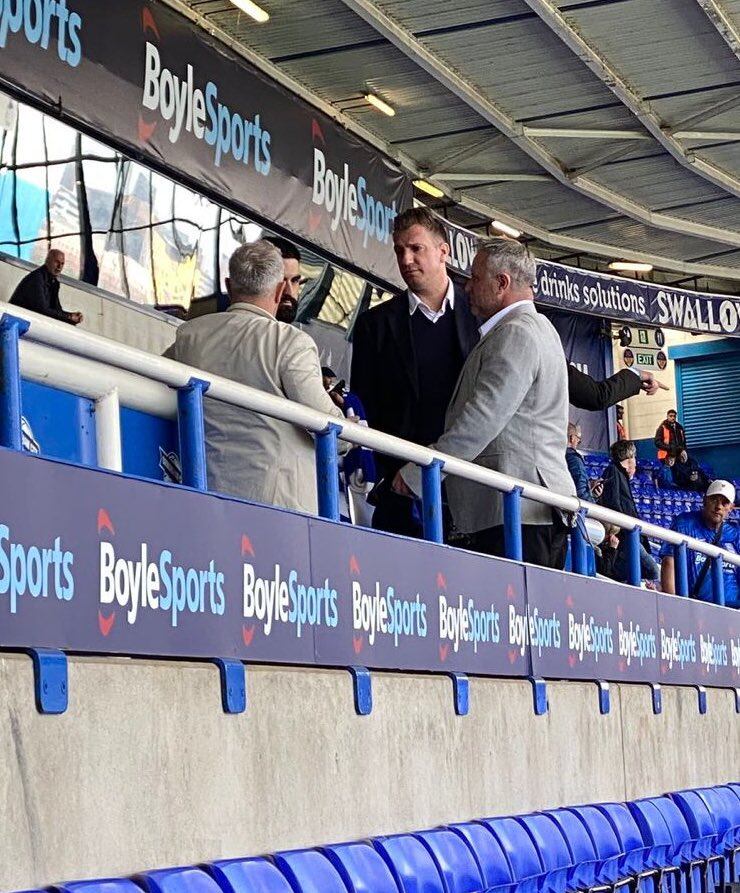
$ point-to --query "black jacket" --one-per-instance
(617, 493)
(39, 291)
(384, 367)
(586, 393)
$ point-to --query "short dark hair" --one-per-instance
(287, 249)
(671, 412)
(419, 217)
(623, 449)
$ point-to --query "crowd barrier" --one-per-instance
(99, 562)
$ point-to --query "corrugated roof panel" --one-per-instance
(522, 67)
(442, 14)
(676, 109)
(726, 156)
(655, 182)
(724, 212)
(578, 153)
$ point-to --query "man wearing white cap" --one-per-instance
(710, 524)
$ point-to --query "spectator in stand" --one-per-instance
(248, 454)
(576, 463)
(670, 437)
(664, 475)
(618, 496)
(687, 474)
(291, 277)
(509, 410)
(711, 524)
(621, 429)
(407, 356)
(39, 290)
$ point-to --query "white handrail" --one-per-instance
(175, 375)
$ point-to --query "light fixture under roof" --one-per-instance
(380, 104)
(506, 229)
(252, 10)
(429, 188)
(630, 266)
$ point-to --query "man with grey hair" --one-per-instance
(248, 454)
(39, 290)
(509, 411)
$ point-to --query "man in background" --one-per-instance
(670, 437)
(291, 277)
(248, 454)
(39, 290)
(711, 524)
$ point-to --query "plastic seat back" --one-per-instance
(521, 853)
(582, 852)
(361, 867)
(549, 840)
(410, 863)
(604, 838)
(488, 853)
(104, 885)
(454, 860)
(682, 838)
(696, 813)
(248, 876)
(654, 831)
(178, 880)
(721, 811)
(637, 855)
(309, 871)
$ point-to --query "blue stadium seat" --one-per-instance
(699, 820)
(637, 858)
(605, 842)
(361, 868)
(580, 845)
(488, 854)
(248, 876)
(654, 831)
(309, 871)
(177, 880)
(521, 854)
(554, 853)
(104, 885)
(454, 860)
(411, 864)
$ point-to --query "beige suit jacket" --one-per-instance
(250, 455)
(509, 412)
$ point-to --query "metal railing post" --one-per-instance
(680, 562)
(431, 497)
(327, 472)
(634, 571)
(11, 328)
(718, 580)
(513, 524)
(192, 433)
(579, 546)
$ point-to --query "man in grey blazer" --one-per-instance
(251, 455)
(509, 410)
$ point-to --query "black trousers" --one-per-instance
(542, 544)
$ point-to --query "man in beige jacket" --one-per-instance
(248, 454)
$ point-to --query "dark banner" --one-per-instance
(145, 78)
(612, 297)
(96, 562)
(584, 347)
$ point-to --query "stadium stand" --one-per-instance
(645, 844)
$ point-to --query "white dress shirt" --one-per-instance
(497, 317)
(416, 303)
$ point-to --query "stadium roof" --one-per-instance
(604, 129)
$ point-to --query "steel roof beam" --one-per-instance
(723, 22)
(575, 133)
(728, 136)
(711, 111)
(413, 49)
(558, 24)
(452, 177)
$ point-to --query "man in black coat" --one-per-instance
(39, 290)
(407, 354)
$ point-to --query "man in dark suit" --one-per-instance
(408, 353)
(39, 290)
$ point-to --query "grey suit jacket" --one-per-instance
(509, 413)
(251, 455)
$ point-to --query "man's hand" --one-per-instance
(400, 486)
(650, 384)
(337, 399)
(76, 317)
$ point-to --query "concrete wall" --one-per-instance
(105, 314)
(146, 771)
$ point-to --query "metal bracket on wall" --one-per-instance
(50, 680)
(657, 695)
(362, 685)
(605, 699)
(737, 700)
(539, 694)
(461, 693)
(702, 692)
(233, 685)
